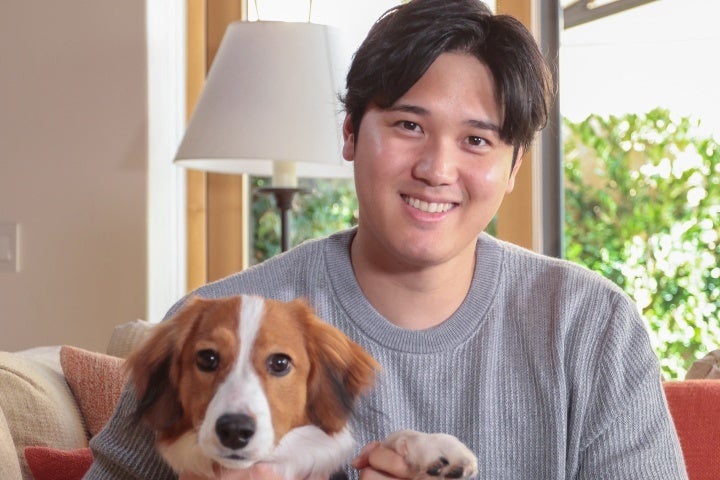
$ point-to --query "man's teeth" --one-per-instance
(428, 206)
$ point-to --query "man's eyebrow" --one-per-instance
(484, 125)
(480, 124)
(409, 109)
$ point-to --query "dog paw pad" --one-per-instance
(437, 468)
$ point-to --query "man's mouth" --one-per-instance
(430, 207)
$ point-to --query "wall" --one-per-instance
(73, 154)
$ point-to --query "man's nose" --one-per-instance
(437, 162)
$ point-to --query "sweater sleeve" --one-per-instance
(125, 449)
(628, 431)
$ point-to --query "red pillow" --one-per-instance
(52, 464)
(96, 381)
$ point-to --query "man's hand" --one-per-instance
(376, 461)
(260, 471)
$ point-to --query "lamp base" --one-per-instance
(283, 199)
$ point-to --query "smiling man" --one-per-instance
(542, 368)
(432, 171)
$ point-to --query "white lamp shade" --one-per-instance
(270, 96)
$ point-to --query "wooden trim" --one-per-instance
(196, 203)
(226, 194)
(516, 219)
(226, 200)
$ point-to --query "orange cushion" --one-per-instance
(695, 408)
(96, 381)
(52, 464)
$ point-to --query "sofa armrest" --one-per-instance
(37, 405)
(9, 463)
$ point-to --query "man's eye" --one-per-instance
(477, 141)
(407, 125)
(207, 360)
(279, 364)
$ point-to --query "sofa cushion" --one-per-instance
(96, 381)
(53, 464)
(694, 408)
(125, 337)
(37, 403)
(706, 367)
(9, 463)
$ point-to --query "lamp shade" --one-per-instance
(270, 97)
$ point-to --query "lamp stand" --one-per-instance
(283, 199)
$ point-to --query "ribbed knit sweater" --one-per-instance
(545, 371)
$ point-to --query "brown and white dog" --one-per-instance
(230, 382)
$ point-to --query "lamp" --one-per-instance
(269, 107)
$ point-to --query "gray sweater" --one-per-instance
(545, 371)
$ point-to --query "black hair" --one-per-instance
(408, 38)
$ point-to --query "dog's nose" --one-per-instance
(235, 430)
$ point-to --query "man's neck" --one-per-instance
(413, 297)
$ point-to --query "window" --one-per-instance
(642, 169)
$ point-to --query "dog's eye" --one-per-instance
(207, 360)
(279, 364)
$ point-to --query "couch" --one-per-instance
(54, 399)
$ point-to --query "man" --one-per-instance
(542, 368)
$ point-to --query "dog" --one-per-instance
(226, 383)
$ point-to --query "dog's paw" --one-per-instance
(433, 455)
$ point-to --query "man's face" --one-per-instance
(431, 170)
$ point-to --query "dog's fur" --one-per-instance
(230, 382)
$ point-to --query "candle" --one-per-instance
(284, 174)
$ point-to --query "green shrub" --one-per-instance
(642, 207)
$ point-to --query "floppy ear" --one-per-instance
(152, 368)
(341, 371)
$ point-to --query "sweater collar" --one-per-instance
(452, 332)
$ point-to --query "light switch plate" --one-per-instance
(9, 233)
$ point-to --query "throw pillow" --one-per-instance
(52, 464)
(96, 381)
(127, 336)
(38, 406)
(694, 408)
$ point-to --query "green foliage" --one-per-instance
(329, 206)
(642, 200)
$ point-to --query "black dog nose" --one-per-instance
(235, 430)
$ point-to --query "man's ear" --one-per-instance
(348, 150)
(516, 167)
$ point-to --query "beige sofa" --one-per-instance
(54, 399)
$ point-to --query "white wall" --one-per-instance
(73, 155)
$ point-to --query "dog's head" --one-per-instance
(224, 380)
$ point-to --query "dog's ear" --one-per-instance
(152, 370)
(341, 371)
